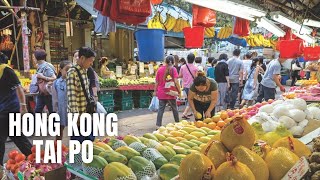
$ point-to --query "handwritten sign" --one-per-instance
(298, 170)
(119, 71)
(151, 69)
(141, 67)
(133, 69)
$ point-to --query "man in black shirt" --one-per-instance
(12, 100)
(222, 78)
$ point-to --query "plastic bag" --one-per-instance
(154, 105)
(100, 108)
(136, 7)
(203, 16)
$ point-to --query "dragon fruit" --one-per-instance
(44, 169)
(24, 166)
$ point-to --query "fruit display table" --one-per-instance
(79, 173)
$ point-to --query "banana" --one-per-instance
(172, 22)
(150, 23)
(209, 32)
(156, 22)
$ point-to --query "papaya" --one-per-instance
(190, 137)
(166, 143)
(213, 132)
(197, 134)
(196, 148)
(166, 152)
(138, 146)
(172, 140)
(113, 156)
(183, 145)
(160, 137)
(103, 145)
(189, 151)
(180, 139)
(176, 134)
(150, 136)
(97, 162)
(206, 129)
(127, 152)
(142, 167)
(196, 142)
(177, 159)
(179, 150)
(143, 139)
(168, 171)
(190, 144)
(183, 132)
(200, 130)
(129, 139)
(116, 171)
(116, 143)
(204, 139)
(155, 156)
(97, 150)
(188, 129)
(150, 143)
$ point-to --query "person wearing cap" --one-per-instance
(12, 100)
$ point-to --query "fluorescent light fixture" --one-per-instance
(313, 23)
(270, 26)
(305, 37)
(283, 19)
(230, 7)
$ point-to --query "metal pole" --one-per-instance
(16, 39)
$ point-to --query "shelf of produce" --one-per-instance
(109, 89)
(79, 173)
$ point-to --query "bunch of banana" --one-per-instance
(209, 32)
(273, 44)
(180, 24)
(266, 43)
(257, 40)
(225, 32)
(156, 22)
(170, 22)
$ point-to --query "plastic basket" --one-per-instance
(77, 161)
(93, 171)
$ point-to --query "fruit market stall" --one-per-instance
(309, 91)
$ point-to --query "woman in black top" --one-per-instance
(222, 78)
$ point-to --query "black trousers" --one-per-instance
(202, 108)
(295, 76)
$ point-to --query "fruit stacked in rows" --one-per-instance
(224, 33)
(170, 24)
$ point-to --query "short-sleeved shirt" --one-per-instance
(221, 72)
(187, 78)
(210, 72)
(160, 79)
(235, 66)
(46, 69)
(273, 68)
(205, 96)
(246, 67)
(9, 101)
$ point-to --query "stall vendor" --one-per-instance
(202, 97)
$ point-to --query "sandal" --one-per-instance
(189, 115)
(185, 117)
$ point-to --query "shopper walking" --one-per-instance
(12, 100)
(45, 74)
(77, 102)
(247, 61)
(203, 96)
(198, 61)
(271, 80)
(295, 71)
(211, 69)
(188, 72)
(235, 75)
(59, 96)
(222, 78)
(251, 84)
(176, 63)
(167, 76)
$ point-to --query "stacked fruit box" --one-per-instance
(123, 100)
(142, 99)
(106, 98)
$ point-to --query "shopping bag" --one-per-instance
(154, 105)
(100, 108)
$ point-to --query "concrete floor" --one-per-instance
(136, 122)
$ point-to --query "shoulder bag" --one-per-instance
(91, 103)
(190, 71)
(171, 87)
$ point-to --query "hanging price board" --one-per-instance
(141, 67)
(119, 71)
(151, 69)
(133, 69)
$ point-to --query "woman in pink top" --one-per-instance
(161, 92)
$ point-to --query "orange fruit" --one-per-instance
(221, 123)
(224, 115)
(199, 124)
(217, 128)
(211, 125)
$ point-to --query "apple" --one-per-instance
(231, 113)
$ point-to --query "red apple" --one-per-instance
(231, 113)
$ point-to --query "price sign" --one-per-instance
(151, 69)
(119, 71)
(133, 69)
(141, 67)
(298, 170)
